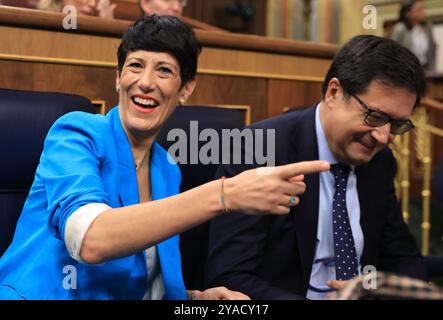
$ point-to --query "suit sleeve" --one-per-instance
(398, 32)
(236, 244)
(69, 167)
(399, 251)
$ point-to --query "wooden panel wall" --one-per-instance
(20, 3)
(435, 88)
(283, 94)
(266, 74)
(126, 10)
(213, 12)
(214, 89)
(95, 83)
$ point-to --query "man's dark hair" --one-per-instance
(366, 58)
(162, 34)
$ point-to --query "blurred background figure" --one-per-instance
(31, 4)
(163, 7)
(415, 33)
(98, 8)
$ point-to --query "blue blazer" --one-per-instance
(86, 159)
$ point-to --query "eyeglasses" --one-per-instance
(375, 118)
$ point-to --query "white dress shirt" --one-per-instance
(323, 268)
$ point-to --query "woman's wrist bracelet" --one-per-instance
(222, 195)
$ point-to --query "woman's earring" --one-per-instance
(181, 101)
(117, 89)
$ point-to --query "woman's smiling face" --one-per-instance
(150, 88)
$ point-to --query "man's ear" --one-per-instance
(333, 91)
(144, 6)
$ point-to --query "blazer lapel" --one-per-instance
(168, 250)
(128, 195)
(305, 148)
(128, 192)
(366, 194)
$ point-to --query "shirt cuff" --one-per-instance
(77, 225)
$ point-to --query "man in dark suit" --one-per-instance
(349, 217)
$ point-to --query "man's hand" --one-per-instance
(338, 284)
(105, 9)
(218, 293)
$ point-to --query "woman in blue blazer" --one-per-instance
(103, 215)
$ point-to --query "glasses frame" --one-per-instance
(402, 126)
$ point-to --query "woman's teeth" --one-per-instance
(145, 103)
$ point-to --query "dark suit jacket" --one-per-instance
(270, 257)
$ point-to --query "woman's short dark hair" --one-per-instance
(366, 58)
(162, 34)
